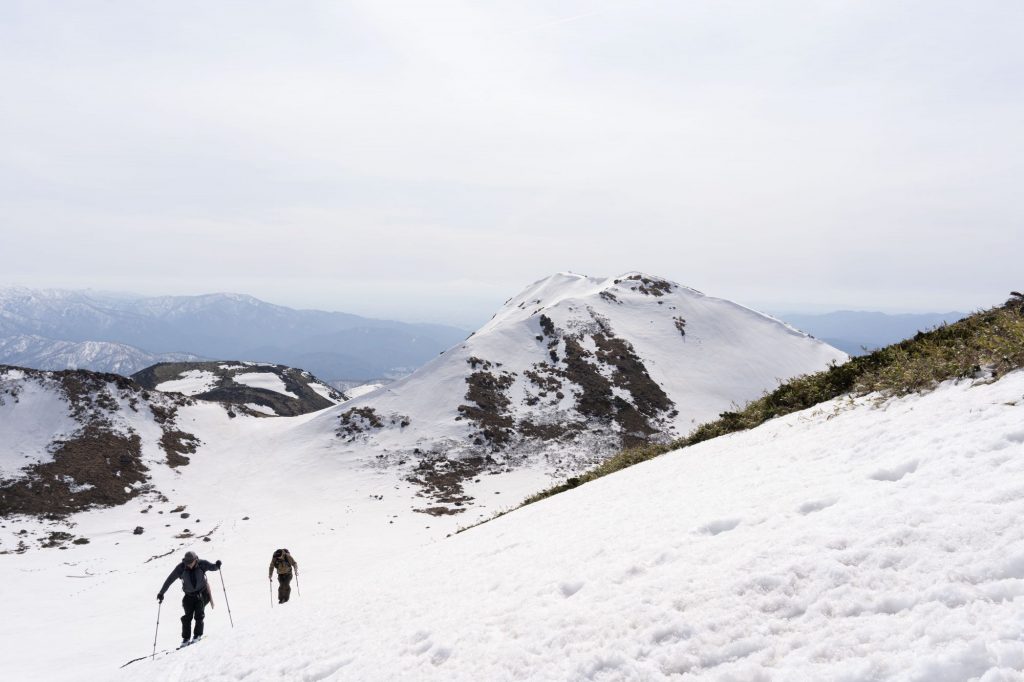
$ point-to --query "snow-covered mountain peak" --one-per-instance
(568, 288)
(574, 368)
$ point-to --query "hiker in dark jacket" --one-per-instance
(192, 571)
(285, 565)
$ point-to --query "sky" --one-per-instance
(426, 161)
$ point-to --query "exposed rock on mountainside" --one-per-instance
(574, 369)
(256, 388)
(73, 441)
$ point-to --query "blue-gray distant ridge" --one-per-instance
(331, 345)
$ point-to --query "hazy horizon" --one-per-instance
(424, 162)
(470, 325)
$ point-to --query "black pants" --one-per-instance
(284, 587)
(194, 605)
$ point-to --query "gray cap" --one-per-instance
(189, 557)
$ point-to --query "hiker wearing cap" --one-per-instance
(192, 571)
(285, 565)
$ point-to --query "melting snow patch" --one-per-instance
(322, 391)
(264, 380)
(192, 382)
(262, 409)
(74, 487)
(357, 391)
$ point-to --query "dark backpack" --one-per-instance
(282, 561)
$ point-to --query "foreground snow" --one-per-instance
(849, 542)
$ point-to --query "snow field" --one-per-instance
(847, 542)
(191, 382)
(264, 380)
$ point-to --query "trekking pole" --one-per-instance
(158, 605)
(270, 584)
(297, 586)
(226, 602)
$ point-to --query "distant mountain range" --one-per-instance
(61, 329)
(854, 331)
(30, 350)
(58, 329)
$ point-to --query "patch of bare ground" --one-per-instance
(175, 443)
(637, 418)
(359, 420)
(95, 467)
(550, 431)
(680, 325)
(488, 407)
(441, 480)
(101, 463)
(649, 286)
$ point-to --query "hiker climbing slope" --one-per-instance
(192, 571)
(286, 566)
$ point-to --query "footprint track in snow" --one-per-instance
(895, 473)
(570, 587)
(812, 506)
(718, 526)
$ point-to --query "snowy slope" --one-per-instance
(845, 542)
(848, 542)
(575, 368)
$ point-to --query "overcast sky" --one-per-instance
(426, 160)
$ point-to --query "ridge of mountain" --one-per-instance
(30, 350)
(859, 331)
(332, 345)
(257, 388)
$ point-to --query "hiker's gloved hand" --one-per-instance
(160, 597)
(218, 563)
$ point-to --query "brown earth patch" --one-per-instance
(96, 467)
(650, 286)
(441, 480)
(359, 420)
(489, 407)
